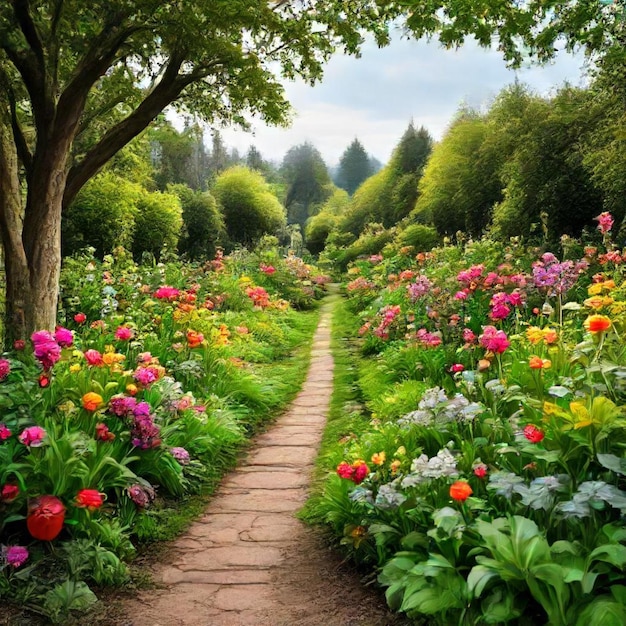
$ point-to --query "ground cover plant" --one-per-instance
(477, 469)
(138, 400)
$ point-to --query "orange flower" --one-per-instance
(194, 339)
(378, 458)
(131, 389)
(460, 491)
(597, 323)
(534, 334)
(537, 363)
(550, 335)
(91, 401)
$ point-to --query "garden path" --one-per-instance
(248, 561)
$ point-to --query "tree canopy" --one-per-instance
(354, 167)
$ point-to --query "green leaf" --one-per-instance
(614, 463)
(613, 553)
(603, 612)
(478, 579)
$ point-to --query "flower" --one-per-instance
(457, 367)
(47, 350)
(103, 433)
(480, 470)
(460, 491)
(32, 436)
(94, 358)
(166, 293)
(345, 470)
(533, 434)
(141, 495)
(91, 401)
(181, 455)
(80, 318)
(46, 515)
(5, 433)
(537, 363)
(123, 333)
(90, 499)
(194, 339)
(8, 493)
(131, 389)
(494, 340)
(378, 458)
(19, 345)
(267, 269)
(605, 222)
(15, 556)
(5, 368)
(361, 470)
(64, 337)
(597, 323)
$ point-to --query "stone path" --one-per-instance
(248, 560)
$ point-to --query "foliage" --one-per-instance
(354, 167)
(476, 461)
(250, 209)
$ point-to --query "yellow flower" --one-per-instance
(534, 334)
(598, 302)
(75, 368)
(111, 358)
(395, 465)
(401, 451)
(595, 289)
(597, 323)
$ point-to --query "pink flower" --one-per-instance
(360, 472)
(5, 433)
(345, 470)
(267, 269)
(32, 436)
(468, 336)
(64, 337)
(166, 293)
(19, 345)
(494, 340)
(460, 295)
(15, 555)
(5, 368)
(123, 333)
(181, 455)
(41, 336)
(457, 367)
(605, 222)
(480, 470)
(47, 350)
(9, 492)
(94, 358)
(141, 495)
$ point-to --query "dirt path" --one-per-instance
(248, 561)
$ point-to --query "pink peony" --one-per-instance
(94, 358)
(15, 555)
(457, 367)
(123, 333)
(605, 222)
(32, 436)
(166, 293)
(64, 337)
(494, 340)
(5, 368)
(181, 455)
(5, 433)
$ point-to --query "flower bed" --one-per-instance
(481, 477)
(141, 397)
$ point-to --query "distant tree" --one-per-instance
(203, 224)
(320, 226)
(218, 158)
(461, 181)
(250, 209)
(354, 167)
(308, 181)
(157, 224)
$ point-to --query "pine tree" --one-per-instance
(354, 167)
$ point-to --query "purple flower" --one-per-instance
(5, 368)
(15, 555)
(121, 405)
(41, 336)
(145, 433)
(419, 288)
(141, 495)
(64, 337)
(142, 409)
(32, 436)
(181, 455)
(145, 376)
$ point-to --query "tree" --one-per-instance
(320, 226)
(354, 167)
(250, 209)
(309, 182)
(79, 80)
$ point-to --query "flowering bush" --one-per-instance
(495, 490)
(140, 396)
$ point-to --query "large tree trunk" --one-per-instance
(31, 237)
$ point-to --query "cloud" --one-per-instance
(375, 96)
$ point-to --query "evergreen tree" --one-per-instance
(308, 181)
(354, 167)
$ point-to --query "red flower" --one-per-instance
(94, 358)
(345, 470)
(44, 380)
(361, 470)
(46, 515)
(90, 499)
(80, 318)
(19, 344)
(460, 491)
(9, 493)
(533, 434)
(103, 433)
(480, 470)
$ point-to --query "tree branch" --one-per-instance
(165, 92)
(21, 145)
(21, 9)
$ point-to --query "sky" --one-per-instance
(375, 97)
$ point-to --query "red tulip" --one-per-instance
(46, 515)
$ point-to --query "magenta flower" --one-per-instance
(64, 337)
(41, 336)
(47, 350)
(15, 555)
(32, 436)
(605, 222)
(494, 340)
(5, 368)
(141, 495)
(5, 433)
(94, 358)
